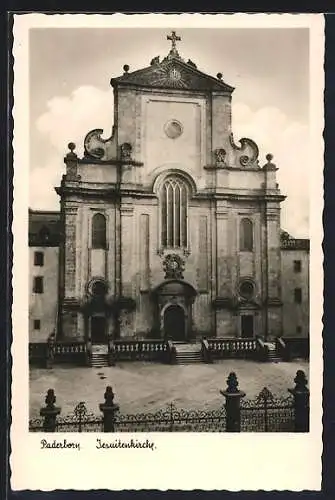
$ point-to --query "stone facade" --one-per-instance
(44, 229)
(295, 277)
(207, 263)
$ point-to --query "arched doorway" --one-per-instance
(174, 322)
(173, 316)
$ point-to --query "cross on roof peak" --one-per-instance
(173, 38)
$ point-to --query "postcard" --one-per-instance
(167, 258)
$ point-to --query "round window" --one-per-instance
(247, 289)
(173, 129)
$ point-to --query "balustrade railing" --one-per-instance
(232, 347)
(147, 350)
(45, 353)
(206, 351)
(69, 347)
(262, 349)
(37, 352)
(282, 349)
(171, 353)
(297, 347)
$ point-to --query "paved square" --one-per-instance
(144, 387)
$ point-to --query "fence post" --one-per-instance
(50, 412)
(109, 409)
(301, 402)
(233, 399)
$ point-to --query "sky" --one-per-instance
(70, 94)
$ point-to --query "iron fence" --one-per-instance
(265, 413)
(172, 419)
(169, 419)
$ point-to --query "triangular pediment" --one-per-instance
(172, 73)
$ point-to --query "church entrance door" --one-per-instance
(98, 330)
(174, 323)
(247, 326)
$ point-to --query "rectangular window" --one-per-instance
(297, 266)
(39, 259)
(38, 284)
(297, 295)
(37, 324)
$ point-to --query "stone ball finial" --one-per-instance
(50, 399)
(109, 396)
(219, 76)
(269, 165)
(300, 380)
(126, 68)
(71, 155)
(232, 382)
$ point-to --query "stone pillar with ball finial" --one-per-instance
(109, 410)
(233, 402)
(71, 162)
(300, 394)
(49, 412)
(68, 316)
(221, 120)
(271, 252)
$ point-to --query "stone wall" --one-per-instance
(295, 316)
(43, 306)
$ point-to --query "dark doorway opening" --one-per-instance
(174, 323)
(247, 326)
(98, 330)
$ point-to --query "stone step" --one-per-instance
(182, 347)
(99, 360)
(186, 358)
(274, 357)
(190, 362)
(189, 354)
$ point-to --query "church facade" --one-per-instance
(169, 228)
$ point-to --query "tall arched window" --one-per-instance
(246, 235)
(174, 199)
(99, 231)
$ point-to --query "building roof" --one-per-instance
(295, 244)
(44, 228)
(287, 242)
(172, 73)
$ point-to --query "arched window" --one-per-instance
(99, 231)
(246, 235)
(174, 199)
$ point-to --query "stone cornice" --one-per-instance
(115, 191)
(259, 196)
(88, 160)
(219, 167)
(108, 193)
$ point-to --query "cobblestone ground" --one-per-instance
(143, 387)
